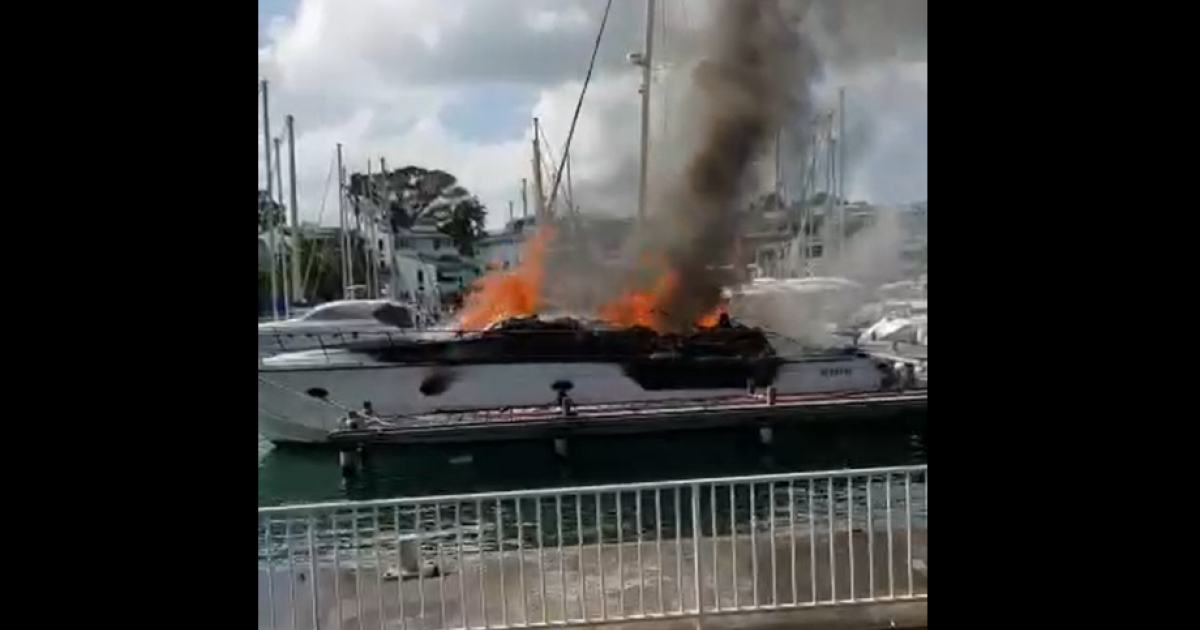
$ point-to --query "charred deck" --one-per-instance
(638, 418)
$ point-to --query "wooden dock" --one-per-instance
(550, 422)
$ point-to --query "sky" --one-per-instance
(454, 84)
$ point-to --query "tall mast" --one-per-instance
(524, 198)
(368, 237)
(385, 225)
(262, 88)
(539, 199)
(287, 308)
(778, 169)
(830, 236)
(841, 168)
(345, 235)
(297, 276)
(647, 60)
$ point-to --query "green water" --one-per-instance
(296, 475)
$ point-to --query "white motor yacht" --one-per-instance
(526, 362)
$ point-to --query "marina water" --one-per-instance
(308, 474)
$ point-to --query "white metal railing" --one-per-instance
(597, 554)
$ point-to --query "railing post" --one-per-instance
(697, 533)
(315, 578)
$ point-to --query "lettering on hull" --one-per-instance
(835, 372)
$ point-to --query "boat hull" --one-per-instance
(302, 404)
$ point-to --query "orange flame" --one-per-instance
(516, 292)
(640, 308)
(712, 318)
(644, 308)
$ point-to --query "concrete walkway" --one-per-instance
(596, 584)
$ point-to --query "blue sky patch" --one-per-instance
(490, 113)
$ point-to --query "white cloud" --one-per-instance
(377, 75)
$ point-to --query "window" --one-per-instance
(437, 244)
(339, 312)
(421, 278)
(395, 315)
(380, 244)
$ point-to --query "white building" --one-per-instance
(421, 264)
(502, 250)
(415, 280)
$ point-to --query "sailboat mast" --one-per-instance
(385, 225)
(342, 227)
(524, 198)
(262, 88)
(293, 207)
(539, 199)
(841, 168)
(287, 308)
(647, 76)
(830, 243)
(368, 238)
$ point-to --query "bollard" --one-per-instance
(766, 435)
(410, 557)
(771, 394)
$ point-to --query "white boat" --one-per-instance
(335, 324)
(304, 396)
(810, 309)
(905, 321)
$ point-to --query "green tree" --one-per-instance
(321, 265)
(412, 193)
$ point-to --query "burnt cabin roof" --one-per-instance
(565, 338)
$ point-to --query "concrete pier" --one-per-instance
(792, 575)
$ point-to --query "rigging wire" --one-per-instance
(320, 214)
(587, 79)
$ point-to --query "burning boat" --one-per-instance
(527, 361)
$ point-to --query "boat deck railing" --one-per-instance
(591, 555)
(688, 411)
